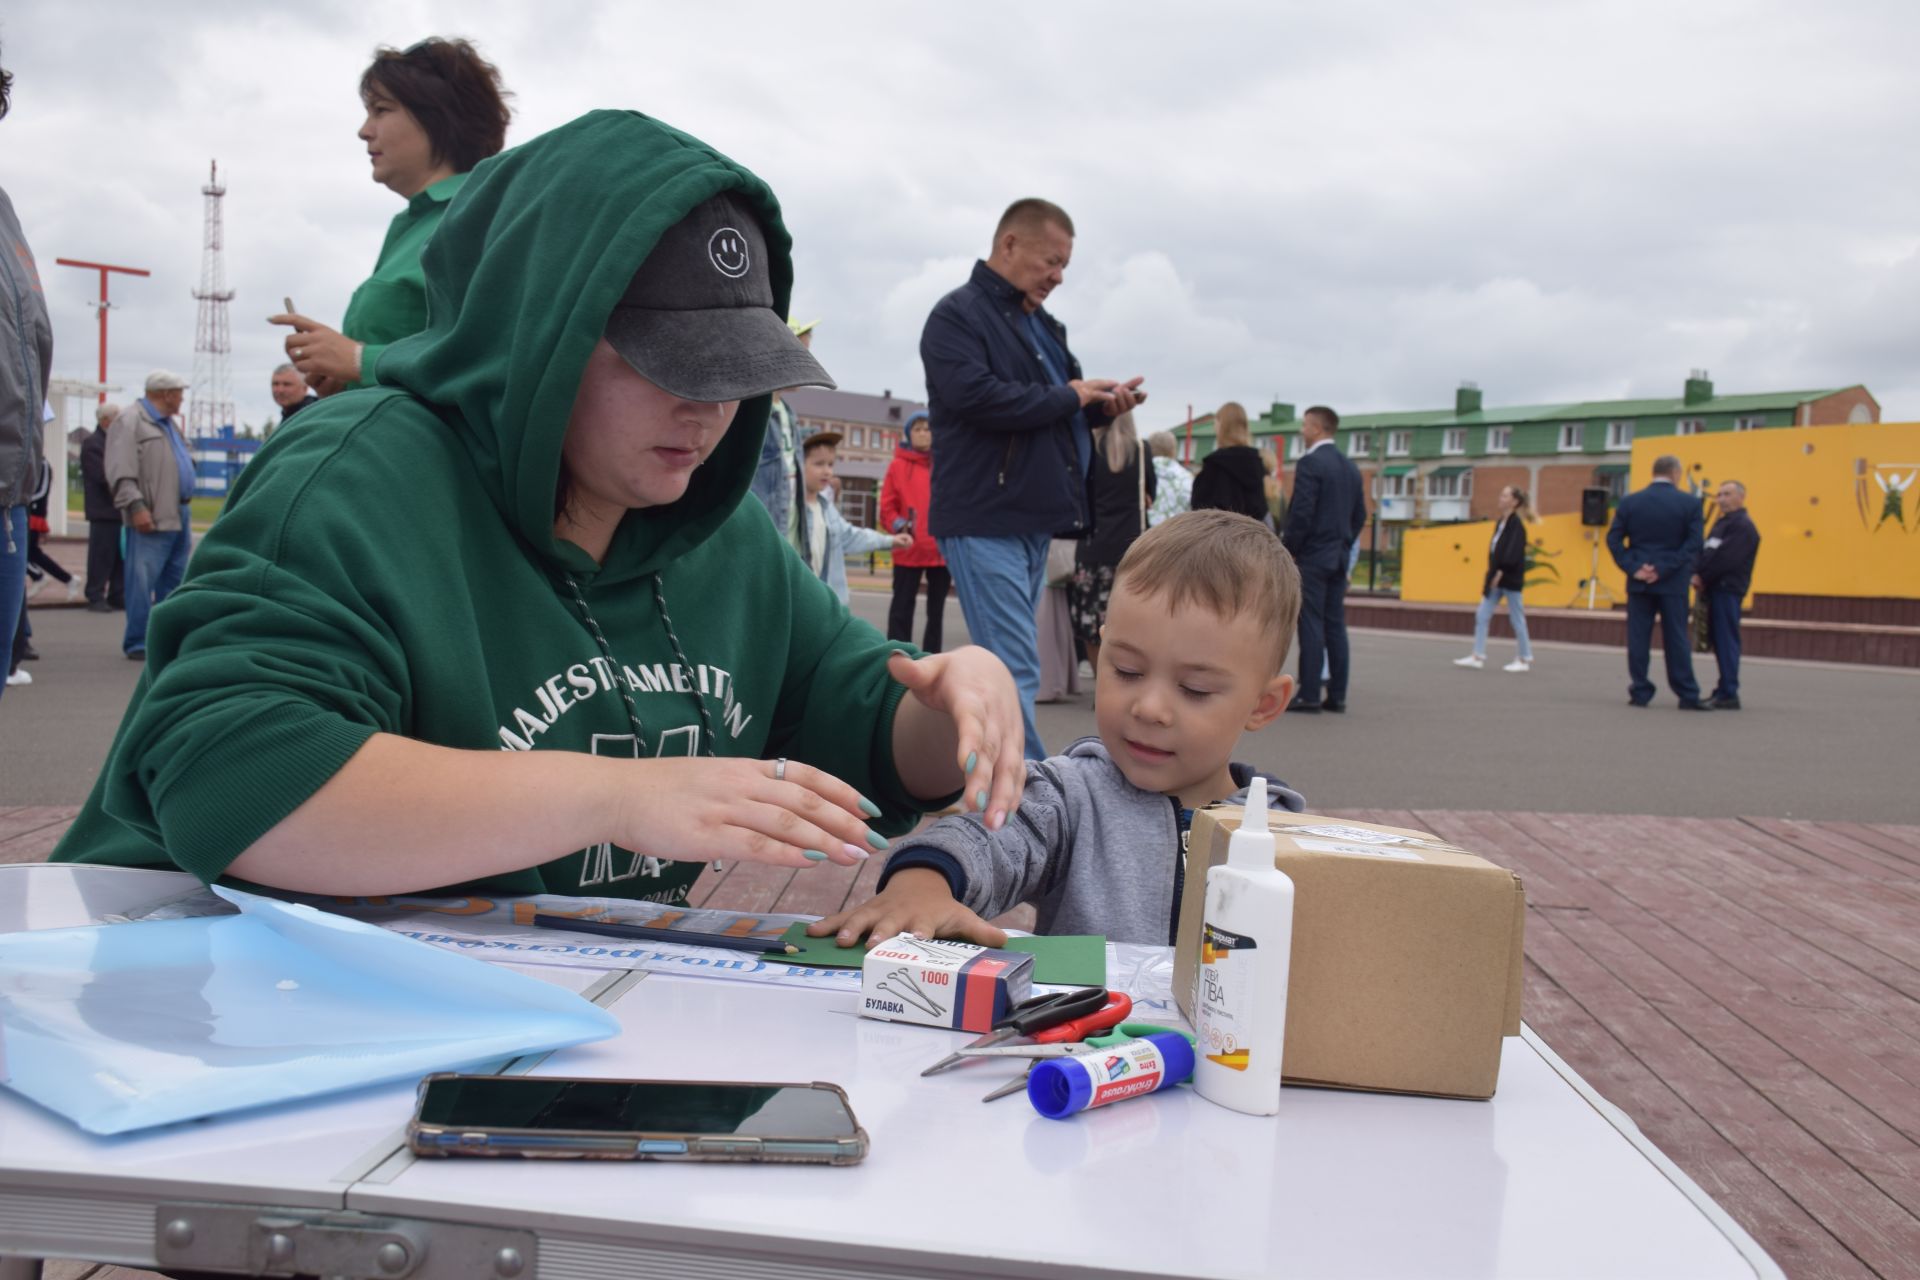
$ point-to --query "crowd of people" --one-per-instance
(499, 599)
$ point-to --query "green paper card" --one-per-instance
(1070, 960)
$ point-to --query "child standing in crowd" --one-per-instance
(1195, 642)
(905, 496)
(826, 539)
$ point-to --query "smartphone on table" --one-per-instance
(559, 1117)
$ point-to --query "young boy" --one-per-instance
(825, 537)
(1195, 639)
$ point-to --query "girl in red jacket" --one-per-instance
(904, 497)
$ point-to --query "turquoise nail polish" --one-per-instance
(973, 758)
(814, 855)
(980, 801)
(877, 841)
(869, 808)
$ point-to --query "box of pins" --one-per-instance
(940, 983)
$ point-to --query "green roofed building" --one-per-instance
(1434, 465)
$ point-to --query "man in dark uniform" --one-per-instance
(106, 569)
(1325, 515)
(1655, 540)
(1723, 576)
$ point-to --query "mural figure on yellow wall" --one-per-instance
(1893, 487)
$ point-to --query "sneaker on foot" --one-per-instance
(22, 676)
(1473, 660)
(1519, 664)
(38, 585)
(73, 590)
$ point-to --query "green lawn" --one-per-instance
(205, 509)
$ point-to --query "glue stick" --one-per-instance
(1059, 1087)
(1240, 1003)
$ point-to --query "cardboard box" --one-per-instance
(943, 983)
(1406, 964)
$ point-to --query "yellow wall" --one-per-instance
(1818, 496)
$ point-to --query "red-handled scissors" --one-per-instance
(1062, 1016)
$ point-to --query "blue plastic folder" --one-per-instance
(125, 1026)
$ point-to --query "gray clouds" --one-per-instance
(1359, 206)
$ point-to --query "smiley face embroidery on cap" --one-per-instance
(727, 249)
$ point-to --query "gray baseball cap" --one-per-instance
(698, 318)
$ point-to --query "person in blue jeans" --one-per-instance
(26, 360)
(1014, 418)
(152, 476)
(1506, 578)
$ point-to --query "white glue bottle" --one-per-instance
(1240, 1000)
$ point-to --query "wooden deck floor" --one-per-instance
(1747, 990)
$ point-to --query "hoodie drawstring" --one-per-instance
(626, 694)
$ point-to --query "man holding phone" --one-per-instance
(1015, 419)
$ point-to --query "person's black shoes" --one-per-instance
(1723, 703)
(1301, 707)
(1696, 705)
(28, 653)
(138, 655)
(99, 606)
(1638, 702)
(1338, 708)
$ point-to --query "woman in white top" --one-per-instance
(1506, 576)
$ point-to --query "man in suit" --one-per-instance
(1324, 519)
(1723, 575)
(1655, 540)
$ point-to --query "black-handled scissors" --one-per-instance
(1029, 1017)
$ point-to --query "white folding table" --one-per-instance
(1547, 1179)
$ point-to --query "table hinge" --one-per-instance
(251, 1240)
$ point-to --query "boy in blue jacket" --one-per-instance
(826, 538)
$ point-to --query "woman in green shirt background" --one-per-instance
(434, 111)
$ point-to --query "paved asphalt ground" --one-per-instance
(1821, 742)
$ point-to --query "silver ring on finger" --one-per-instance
(298, 353)
(780, 769)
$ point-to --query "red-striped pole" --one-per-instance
(103, 269)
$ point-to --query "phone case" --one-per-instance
(582, 1144)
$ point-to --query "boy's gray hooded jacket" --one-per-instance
(1093, 852)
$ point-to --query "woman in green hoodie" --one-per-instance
(507, 620)
(434, 111)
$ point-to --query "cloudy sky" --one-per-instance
(1360, 204)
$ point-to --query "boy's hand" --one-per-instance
(916, 900)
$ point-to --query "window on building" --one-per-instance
(1751, 422)
(1619, 435)
(1449, 484)
(1499, 439)
(858, 438)
(1399, 443)
(1385, 486)
(1454, 440)
(1615, 483)
(1295, 447)
(1573, 437)
(1360, 444)
(1689, 426)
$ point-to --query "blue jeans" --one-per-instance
(1484, 616)
(1671, 606)
(13, 578)
(1723, 624)
(155, 564)
(999, 581)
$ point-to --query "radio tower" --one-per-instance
(212, 405)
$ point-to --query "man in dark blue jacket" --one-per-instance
(1655, 540)
(1014, 418)
(1723, 575)
(1325, 515)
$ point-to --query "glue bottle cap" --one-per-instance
(1252, 842)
